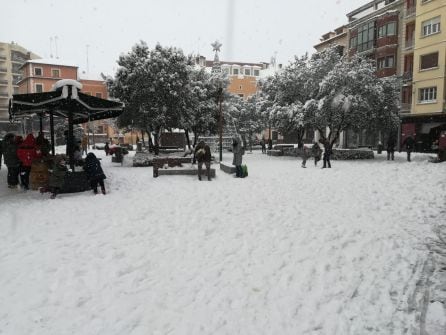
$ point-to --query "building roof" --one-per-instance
(209, 63)
(52, 61)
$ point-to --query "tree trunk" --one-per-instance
(186, 133)
(142, 138)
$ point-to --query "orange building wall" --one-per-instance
(27, 85)
(94, 87)
(246, 85)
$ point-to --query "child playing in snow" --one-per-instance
(95, 173)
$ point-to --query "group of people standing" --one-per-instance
(317, 153)
(19, 154)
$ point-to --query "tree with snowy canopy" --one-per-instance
(201, 111)
(331, 92)
(245, 116)
(153, 84)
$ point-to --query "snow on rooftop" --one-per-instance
(53, 61)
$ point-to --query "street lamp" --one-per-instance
(220, 121)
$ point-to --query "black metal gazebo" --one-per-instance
(65, 101)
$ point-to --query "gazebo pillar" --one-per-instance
(53, 151)
(70, 140)
(40, 123)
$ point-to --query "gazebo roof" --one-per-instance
(64, 99)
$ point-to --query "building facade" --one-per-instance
(337, 37)
(243, 77)
(12, 57)
(426, 117)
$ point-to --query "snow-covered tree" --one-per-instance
(153, 84)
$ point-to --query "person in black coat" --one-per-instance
(95, 173)
(327, 153)
(391, 143)
(409, 143)
(203, 155)
(12, 161)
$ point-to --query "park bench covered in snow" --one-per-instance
(176, 166)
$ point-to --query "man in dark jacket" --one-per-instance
(203, 155)
(95, 173)
(9, 149)
(391, 142)
(327, 153)
(409, 143)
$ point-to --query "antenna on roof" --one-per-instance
(51, 47)
(55, 41)
(88, 67)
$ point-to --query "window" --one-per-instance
(256, 73)
(431, 27)
(428, 94)
(388, 29)
(38, 71)
(386, 62)
(429, 61)
(98, 95)
(353, 42)
(240, 88)
(247, 72)
(366, 37)
(234, 71)
(39, 88)
(55, 73)
(241, 95)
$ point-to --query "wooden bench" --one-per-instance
(159, 162)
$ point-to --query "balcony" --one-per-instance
(410, 11)
(405, 107)
(2, 57)
(3, 69)
(4, 95)
(407, 77)
(408, 44)
(3, 82)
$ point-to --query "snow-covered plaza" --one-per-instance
(347, 250)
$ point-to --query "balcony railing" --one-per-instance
(410, 11)
(409, 43)
(4, 95)
(407, 76)
(3, 82)
(3, 69)
(2, 57)
(405, 107)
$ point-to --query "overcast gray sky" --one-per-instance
(250, 30)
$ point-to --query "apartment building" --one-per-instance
(243, 77)
(12, 57)
(337, 37)
(426, 117)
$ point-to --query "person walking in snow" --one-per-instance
(12, 162)
(203, 155)
(409, 143)
(106, 149)
(1, 152)
(327, 153)
(95, 173)
(238, 151)
(27, 153)
(305, 154)
(391, 143)
(316, 152)
(263, 145)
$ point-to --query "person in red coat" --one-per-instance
(27, 152)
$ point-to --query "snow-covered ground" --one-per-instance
(285, 251)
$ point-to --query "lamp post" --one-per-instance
(220, 122)
(216, 70)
